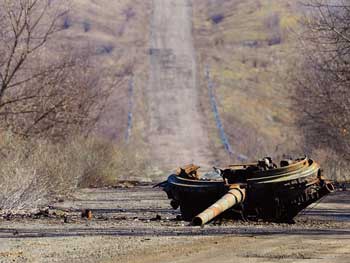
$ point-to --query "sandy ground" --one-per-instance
(125, 228)
(177, 134)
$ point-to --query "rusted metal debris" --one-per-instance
(86, 213)
(252, 191)
(189, 171)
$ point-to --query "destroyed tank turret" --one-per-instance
(253, 191)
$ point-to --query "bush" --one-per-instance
(34, 172)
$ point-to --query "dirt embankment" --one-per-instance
(177, 132)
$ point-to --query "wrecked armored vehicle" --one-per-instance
(253, 191)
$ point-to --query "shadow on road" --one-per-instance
(167, 232)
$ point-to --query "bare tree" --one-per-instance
(45, 90)
(322, 96)
(26, 26)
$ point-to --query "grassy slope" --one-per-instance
(116, 32)
(248, 72)
(249, 52)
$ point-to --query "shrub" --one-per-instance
(34, 172)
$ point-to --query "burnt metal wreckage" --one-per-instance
(251, 191)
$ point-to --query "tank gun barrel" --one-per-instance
(234, 196)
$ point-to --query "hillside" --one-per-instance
(246, 47)
(116, 33)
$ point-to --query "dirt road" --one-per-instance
(137, 225)
(177, 134)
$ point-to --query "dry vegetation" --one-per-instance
(280, 71)
(34, 172)
(321, 83)
(322, 80)
(116, 33)
(40, 95)
(248, 48)
(55, 88)
(65, 71)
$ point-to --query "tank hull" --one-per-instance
(276, 195)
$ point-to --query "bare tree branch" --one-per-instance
(41, 95)
(322, 81)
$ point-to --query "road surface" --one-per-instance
(177, 134)
(138, 225)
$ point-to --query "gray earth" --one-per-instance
(137, 225)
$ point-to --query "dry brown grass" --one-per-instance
(104, 163)
(117, 34)
(27, 172)
(35, 172)
(249, 47)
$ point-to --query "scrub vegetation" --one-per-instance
(248, 47)
(321, 82)
(55, 90)
(279, 71)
